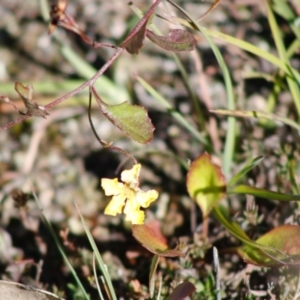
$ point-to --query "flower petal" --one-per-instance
(131, 177)
(136, 217)
(115, 206)
(133, 212)
(128, 194)
(144, 199)
(111, 186)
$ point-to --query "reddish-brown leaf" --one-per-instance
(183, 290)
(33, 109)
(153, 242)
(134, 41)
(283, 248)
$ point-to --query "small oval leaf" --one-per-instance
(133, 120)
(205, 183)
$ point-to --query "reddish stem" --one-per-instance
(90, 82)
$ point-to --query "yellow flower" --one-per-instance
(129, 194)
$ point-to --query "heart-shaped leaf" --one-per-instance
(178, 40)
(285, 242)
(134, 41)
(205, 183)
(153, 241)
(133, 120)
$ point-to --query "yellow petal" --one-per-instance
(115, 206)
(131, 176)
(133, 212)
(144, 199)
(137, 217)
(111, 186)
(129, 192)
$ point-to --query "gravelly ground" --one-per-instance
(62, 161)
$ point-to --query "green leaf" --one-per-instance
(267, 250)
(153, 241)
(249, 166)
(262, 193)
(178, 40)
(205, 183)
(133, 120)
(285, 243)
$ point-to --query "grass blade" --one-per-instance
(277, 35)
(101, 264)
(173, 112)
(249, 166)
(257, 115)
(230, 136)
(61, 250)
(291, 72)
